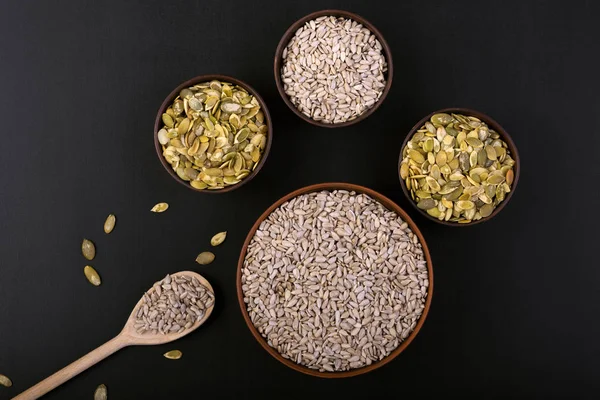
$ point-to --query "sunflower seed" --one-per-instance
(5, 381)
(101, 393)
(173, 354)
(205, 257)
(333, 69)
(88, 249)
(462, 150)
(160, 207)
(92, 276)
(109, 224)
(173, 305)
(334, 281)
(218, 238)
(206, 123)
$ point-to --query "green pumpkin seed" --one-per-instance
(426, 204)
(88, 249)
(160, 207)
(441, 119)
(205, 258)
(109, 224)
(101, 393)
(218, 238)
(91, 275)
(168, 120)
(5, 381)
(173, 355)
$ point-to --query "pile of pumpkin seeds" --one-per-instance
(456, 168)
(214, 134)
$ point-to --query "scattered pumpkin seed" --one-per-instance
(109, 224)
(92, 276)
(88, 249)
(160, 207)
(205, 258)
(173, 354)
(210, 126)
(5, 381)
(456, 168)
(218, 238)
(101, 393)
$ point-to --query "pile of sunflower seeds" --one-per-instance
(214, 134)
(333, 69)
(334, 280)
(172, 305)
(457, 168)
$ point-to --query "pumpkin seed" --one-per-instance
(456, 168)
(173, 354)
(101, 393)
(160, 207)
(209, 124)
(218, 238)
(91, 275)
(88, 249)
(205, 258)
(5, 381)
(109, 224)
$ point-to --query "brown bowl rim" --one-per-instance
(388, 203)
(491, 123)
(337, 13)
(207, 78)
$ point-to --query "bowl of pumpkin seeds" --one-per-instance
(458, 167)
(213, 133)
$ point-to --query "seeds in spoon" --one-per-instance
(173, 305)
(205, 258)
(218, 238)
(88, 249)
(160, 207)
(109, 224)
(5, 381)
(173, 354)
(92, 276)
(101, 393)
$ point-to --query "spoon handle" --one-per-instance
(73, 369)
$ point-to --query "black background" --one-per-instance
(517, 299)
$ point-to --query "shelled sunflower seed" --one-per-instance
(333, 69)
(173, 305)
(5, 381)
(101, 392)
(456, 168)
(334, 280)
(214, 134)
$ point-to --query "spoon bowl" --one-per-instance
(129, 332)
(128, 337)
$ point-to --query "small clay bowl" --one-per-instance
(337, 13)
(158, 124)
(493, 125)
(388, 204)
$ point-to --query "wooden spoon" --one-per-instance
(127, 337)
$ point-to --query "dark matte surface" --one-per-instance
(517, 299)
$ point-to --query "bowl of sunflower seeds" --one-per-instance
(458, 167)
(213, 133)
